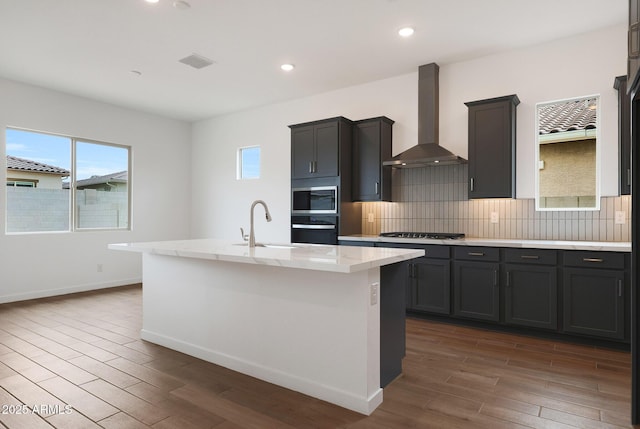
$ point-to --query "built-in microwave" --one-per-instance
(314, 200)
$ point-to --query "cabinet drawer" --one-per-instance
(531, 256)
(469, 253)
(356, 243)
(587, 259)
(430, 250)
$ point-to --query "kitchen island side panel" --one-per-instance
(311, 331)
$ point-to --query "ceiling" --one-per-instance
(90, 47)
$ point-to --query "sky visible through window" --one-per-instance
(250, 162)
(92, 159)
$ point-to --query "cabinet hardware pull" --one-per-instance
(410, 266)
(620, 288)
(632, 29)
(530, 257)
(495, 277)
(472, 184)
(508, 278)
(593, 259)
(376, 187)
(628, 177)
(310, 166)
(476, 254)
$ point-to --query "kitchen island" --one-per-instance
(306, 317)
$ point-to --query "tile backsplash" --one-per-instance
(434, 199)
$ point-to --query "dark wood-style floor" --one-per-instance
(83, 351)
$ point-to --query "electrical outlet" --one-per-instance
(370, 217)
(374, 293)
(494, 217)
(621, 218)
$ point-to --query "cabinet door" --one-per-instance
(302, 152)
(393, 281)
(624, 136)
(594, 302)
(430, 286)
(367, 162)
(476, 290)
(326, 150)
(531, 296)
(633, 40)
(492, 127)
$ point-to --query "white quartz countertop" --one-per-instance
(607, 246)
(341, 259)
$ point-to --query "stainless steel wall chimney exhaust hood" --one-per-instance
(427, 152)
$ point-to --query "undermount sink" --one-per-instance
(271, 246)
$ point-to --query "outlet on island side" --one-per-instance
(374, 293)
(370, 217)
(494, 217)
(621, 217)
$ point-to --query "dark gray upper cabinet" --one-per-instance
(320, 148)
(633, 41)
(624, 136)
(371, 146)
(492, 147)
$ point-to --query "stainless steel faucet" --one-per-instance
(252, 237)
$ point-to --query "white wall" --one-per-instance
(572, 67)
(37, 265)
(581, 65)
(221, 203)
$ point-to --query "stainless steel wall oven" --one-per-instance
(314, 200)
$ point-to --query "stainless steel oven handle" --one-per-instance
(306, 226)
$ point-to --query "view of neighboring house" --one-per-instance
(568, 131)
(32, 174)
(114, 182)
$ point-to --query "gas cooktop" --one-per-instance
(433, 235)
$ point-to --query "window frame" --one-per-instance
(239, 163)
(73, 217)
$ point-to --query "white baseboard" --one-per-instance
(360, 405)
(46, 293)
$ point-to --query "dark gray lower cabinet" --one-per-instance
(531, 296)
(594, 302)
(585, 293)
(429, 286)
(428, 279)
(392, 320)
(476, 292)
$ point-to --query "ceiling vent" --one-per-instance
(196, 61)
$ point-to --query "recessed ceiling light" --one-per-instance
(406, 31)
(152, 1)
(181, 4)
(287, 67)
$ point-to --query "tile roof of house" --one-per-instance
(567, 116)
(15, 163)
(119, 177)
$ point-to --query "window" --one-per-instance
(22, 183)
(48, 175)
(249, 162)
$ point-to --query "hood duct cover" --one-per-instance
(427, 152)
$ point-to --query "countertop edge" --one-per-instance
(603, 246)
(302, 256)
